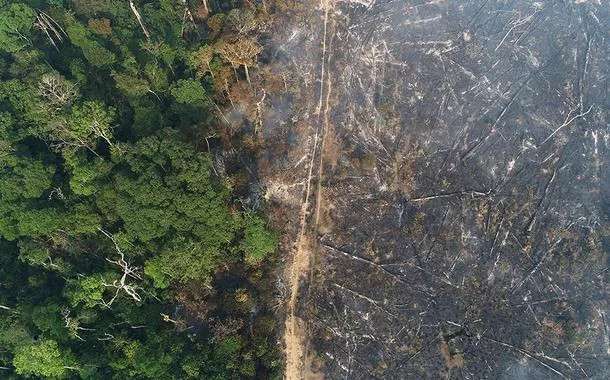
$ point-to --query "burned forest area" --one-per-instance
(304, 189)
(446, 187)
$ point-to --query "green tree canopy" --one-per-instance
(117, 233)
(16, 21)
(44, 358)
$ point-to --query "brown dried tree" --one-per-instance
(241, 52)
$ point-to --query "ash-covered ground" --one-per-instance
(464, 205)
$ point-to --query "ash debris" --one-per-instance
(470, 190)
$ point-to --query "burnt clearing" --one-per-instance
(462, 226)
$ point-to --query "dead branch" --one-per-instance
(259, 113)
(128, 271)
(72, 325)
(517, 23)
(606, 335)
(565, 124)
(530, 224)
(242, 52)
(537, 266)
(450, 195)
(435, 276)
(493, 243)
(187, 11)
(471, 151)
(376, 304)
(436, 235)
(106, 337)
(362, 260)
(493, 269)
(49, 26)
(529, 355)
(58, 91)
(139, 18)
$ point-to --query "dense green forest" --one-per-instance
(126, 251)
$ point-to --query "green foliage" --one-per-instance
(152, 360)
(166, 188)
(191, 103)
(96, 54)
(131, 85)
(258, 241)
(6, 136)
(16, 21)
(86, 174)
(146, 119)
(22, 181)
(48, 319)
(13, 334)
(182, 261)
(88, 122)
(43, 358)
(161, 51)
(191, 365)
(26, 107)
(111, 216)
(33, 252)
(89, 8)
(159, 16)
(88, 291)
(157, 77)
(190, 92)
(25, 178)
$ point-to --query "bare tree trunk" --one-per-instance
(248, 76)
(206, 6)
(139, 18)
(259, 113)
(187, 11)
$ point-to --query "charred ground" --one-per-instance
(465, 203)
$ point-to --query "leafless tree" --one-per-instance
(73, 325)
(57, 90)
(50, 28)
(128, 271)
(139, 18)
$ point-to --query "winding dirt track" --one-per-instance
(295, 336)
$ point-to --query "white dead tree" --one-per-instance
(50, 28)
(65, 135)
(58, 91)
(259, 113)
(122, 285)
(187, 16)
(99, 129)
(187, 11)
(73, 325)
(139, 18)
(4, 307)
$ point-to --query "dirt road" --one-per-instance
(295, 337)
